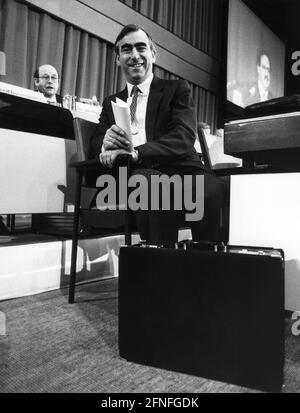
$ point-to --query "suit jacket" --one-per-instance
(59, 99)
(170, 125)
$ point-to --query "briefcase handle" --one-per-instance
(216, 247)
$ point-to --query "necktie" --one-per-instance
(134, 93)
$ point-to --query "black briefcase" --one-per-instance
(207, 311)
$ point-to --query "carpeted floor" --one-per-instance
(51, 346)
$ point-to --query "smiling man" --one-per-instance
(163, 127)
(46, 81)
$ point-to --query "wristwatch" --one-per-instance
(135, 155)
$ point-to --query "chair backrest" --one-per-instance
(204, 149)
(213, 156)
(83, 130)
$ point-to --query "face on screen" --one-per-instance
(263, 71)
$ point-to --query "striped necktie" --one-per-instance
(134, 94)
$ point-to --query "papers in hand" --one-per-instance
(122, 116)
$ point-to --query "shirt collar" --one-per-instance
(50, 100)
(144, 87)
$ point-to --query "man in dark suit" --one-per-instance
(46, 81)
(259, 92)
(163, 133)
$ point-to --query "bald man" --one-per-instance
(46, 80)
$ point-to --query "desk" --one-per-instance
(273, 140)
(264, 211)
(264, 207)
(37, 143)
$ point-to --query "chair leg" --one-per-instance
(12, 222)
(75, 237)
(128, 229)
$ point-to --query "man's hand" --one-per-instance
(108, 158)
(116, 138)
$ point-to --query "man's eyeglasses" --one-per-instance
(46, 78)
(267, 68)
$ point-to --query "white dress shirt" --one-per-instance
(262, 93)
(139, 124)
(52, 99)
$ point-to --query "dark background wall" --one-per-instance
(283, 18)
(77, 37)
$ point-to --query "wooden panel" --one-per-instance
(100, 19)
(268, 134)
(163, 37)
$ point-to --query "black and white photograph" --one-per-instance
(149, 199)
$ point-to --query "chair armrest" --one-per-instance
(85, 164)
(121, 159)
(228, 171)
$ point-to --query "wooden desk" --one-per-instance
(273, 140)
(264, 204)
(264, 211)
(37, 144)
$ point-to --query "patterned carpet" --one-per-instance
(53, 347)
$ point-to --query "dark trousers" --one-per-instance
(162, 226)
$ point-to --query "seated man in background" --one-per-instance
(163, 135)
(46, 81)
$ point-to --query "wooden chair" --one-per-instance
(204, 149)
(220, 169)
(84, 168)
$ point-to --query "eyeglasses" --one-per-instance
(46, 78)
(267, 68)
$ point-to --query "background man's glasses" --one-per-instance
(46, 78)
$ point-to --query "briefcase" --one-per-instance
(209, 311)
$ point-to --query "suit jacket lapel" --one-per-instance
(123, 95)
(155, 95)
(154, 98)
